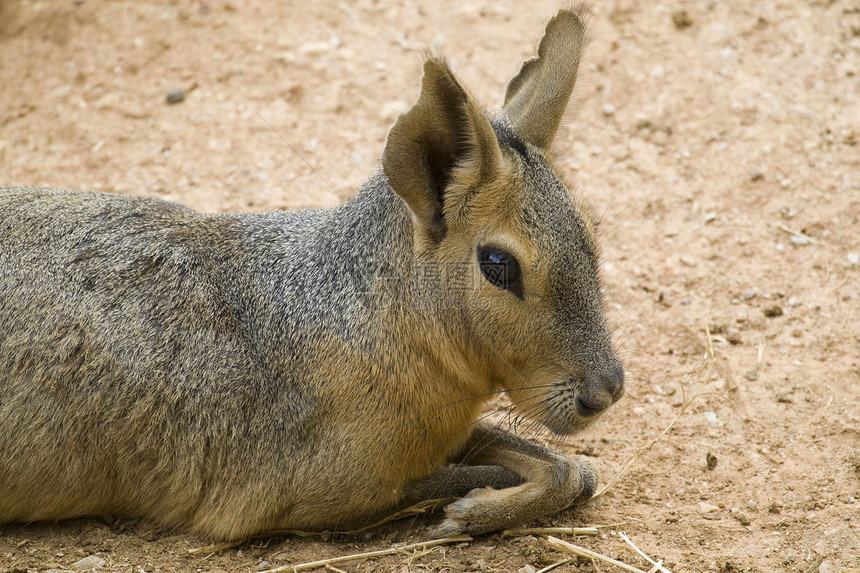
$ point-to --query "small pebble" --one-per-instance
(175, 95)
(263, 565)
(751, 375)
(773, 311)
(89, 562)
(733, 335)
(682, 20)
(608, 109)
(711, 460)
(706, 508)
(752, 505)
(793, 301)
(756, 175)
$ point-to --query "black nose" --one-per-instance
(587, 406)
(600, 392)
(614, 383)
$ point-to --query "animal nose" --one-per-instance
(600, 392)
(588, 406)
(614, 383)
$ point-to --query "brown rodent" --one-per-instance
(317, 369)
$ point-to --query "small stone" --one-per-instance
(682, 20)
(608, 109)
(752, 505)
(800, 240)
(853, 259)
(733, 335)
(712, 419)
(793, 301)
(175, 95)
(773, 311)
(711, 460)
(756, 175)
(751, 375)
(748, 295)
(263, 565)
(526, 569)
(90, 562)
(706, 508)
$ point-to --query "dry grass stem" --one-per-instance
(589, 554)
(801, 235)
(709, 342)
(554, 565)
(657, 565)
(550, 531)
(331, 567)
(368, 555)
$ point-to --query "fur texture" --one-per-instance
(237, 373)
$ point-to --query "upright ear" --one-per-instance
(537, 97)
(445, 130)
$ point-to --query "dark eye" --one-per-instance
(501, 269)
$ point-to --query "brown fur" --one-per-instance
(237, 373)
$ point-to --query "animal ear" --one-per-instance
(445, 131)
(537, 97)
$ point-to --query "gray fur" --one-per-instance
(238, 373)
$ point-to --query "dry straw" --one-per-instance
(328, 563)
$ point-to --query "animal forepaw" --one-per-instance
(588, 478)
(469, 515)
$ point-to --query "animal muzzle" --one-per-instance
(599, 392)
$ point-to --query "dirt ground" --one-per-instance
(717, 142)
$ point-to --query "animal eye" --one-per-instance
(501, 269)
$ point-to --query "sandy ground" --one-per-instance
(718, 143)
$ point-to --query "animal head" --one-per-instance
(483, 194)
